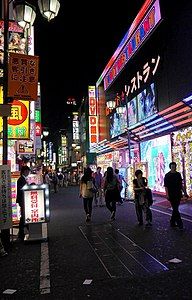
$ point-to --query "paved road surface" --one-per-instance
(121, 259)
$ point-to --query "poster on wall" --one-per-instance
(5, 197)
(118, 124)
(17, 43)
(132, 111)
(147, 103)
(157, 153)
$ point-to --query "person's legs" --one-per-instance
(2, 250)
(139, 212)
(176, 217)
(100, 196)
(87, 203)
(90, 203)
(21, 233)
(113, 206)
(95, 199)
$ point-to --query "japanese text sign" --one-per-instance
(23, 76)
(36, 204)
(93, 118)
(5, 197)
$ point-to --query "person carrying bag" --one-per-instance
(87, 192)
(143, 198)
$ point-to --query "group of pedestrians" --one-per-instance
(111, 185)
(95, 186)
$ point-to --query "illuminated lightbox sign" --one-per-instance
(18, 122)
(93, 119)
(36, 203)
(134, 42)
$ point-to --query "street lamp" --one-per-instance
(111, 104)
(120, 109)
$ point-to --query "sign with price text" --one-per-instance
(23, 76)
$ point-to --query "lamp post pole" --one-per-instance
(5, 233)
(128, 132)
(5, 78)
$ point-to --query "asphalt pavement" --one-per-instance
(102, 259)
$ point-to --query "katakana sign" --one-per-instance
(23, 76)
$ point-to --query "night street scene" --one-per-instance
(96, 150)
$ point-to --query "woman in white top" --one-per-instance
(87, 192)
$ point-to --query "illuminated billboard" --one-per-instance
(17, 43)
(143, 25)
(157, 153)
(36, 203)
(93, 119)
(147, 103)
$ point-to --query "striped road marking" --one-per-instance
(44, 269)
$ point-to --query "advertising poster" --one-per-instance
(5, 197)
(182, 155)
(17, 43)
(123, 173)
(132, 111)
(157, 153)
(15, 206)
(147, 105)
(118, 124)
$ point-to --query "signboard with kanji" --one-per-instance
(5, 197)
(18, 122)
(23, 76)
(36, 203)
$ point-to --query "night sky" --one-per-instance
(74, 48)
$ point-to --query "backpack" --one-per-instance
(149, 196)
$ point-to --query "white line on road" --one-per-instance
(44, 269)
(169, 214)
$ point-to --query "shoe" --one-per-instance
(180, 226)
(149, 224)
(113, 215)
(140, 223)
(173, 225)
(3, 253)
(88, 218)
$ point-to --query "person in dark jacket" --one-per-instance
(174, 188)
(20, 198)
(141, 202)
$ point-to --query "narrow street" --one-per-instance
(118, 258)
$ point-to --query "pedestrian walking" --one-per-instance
(22, 180)
(111, 191)
(55, 182)
(142, 205)
(174, 189)
(47, 179)
(87, 191)
(98, 197)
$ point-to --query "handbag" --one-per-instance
(149, 196)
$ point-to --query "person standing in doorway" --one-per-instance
(141, 203)
(174, 187)
(22, 180)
